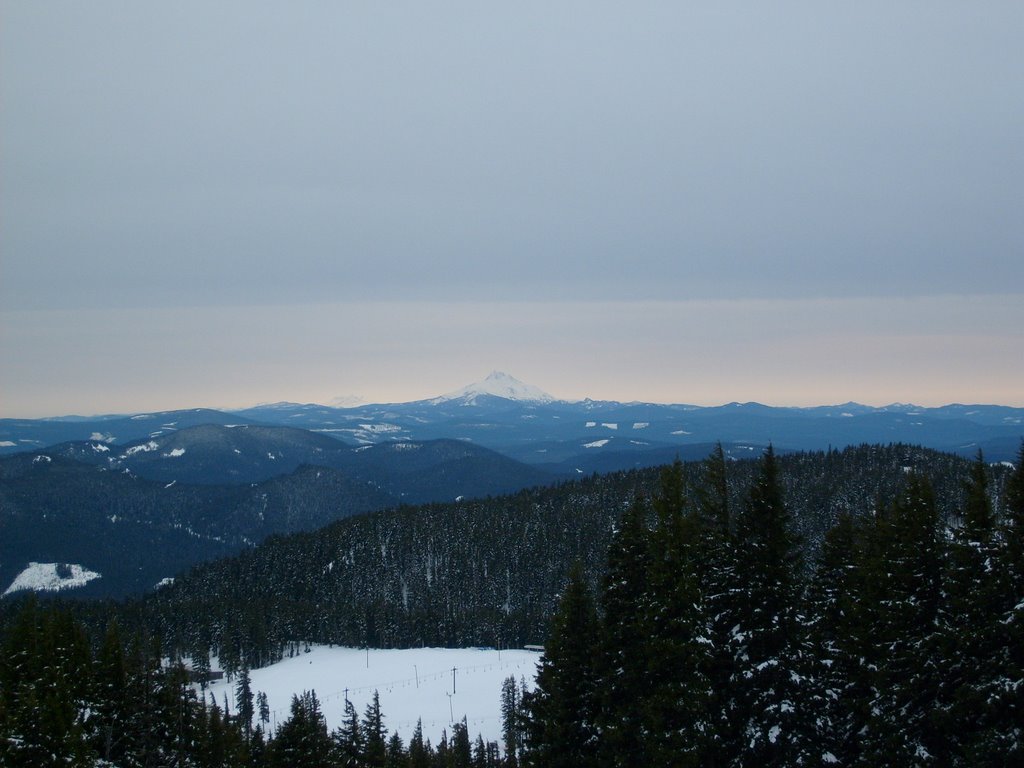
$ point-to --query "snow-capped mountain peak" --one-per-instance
(498, 384)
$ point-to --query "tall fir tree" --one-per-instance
(348, 738)
(1012, 527)
(905, 598)
(374, 735)
(770, 712)
(675, 706)
(561, 732)
(511, 721)
(419, 755)
(623, 667)
(716, 563)
(244, 700)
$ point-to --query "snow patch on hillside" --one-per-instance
(144, 448)
(597, 444)
(175, 453)
(51, 577)
(412, 683)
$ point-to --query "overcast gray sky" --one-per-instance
(220, 203)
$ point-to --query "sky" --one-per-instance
(799, 203)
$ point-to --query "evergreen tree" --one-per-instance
(244, 701)
(419, 755)
(623, 667)
(837, 640)
(715, 564)
(511, 721)
(980, 706)
(561, 731)
(713, 495)
(214, 749)
(374, 735)
(348, 738)
(461, 751)
(479, 753)
(302, 739)
(905, 592)
(978, 517)
(1013, 525)
(397, 757)
(676, 720)
(442, 756)
(263, 707)
(772, 713)
(108, 718)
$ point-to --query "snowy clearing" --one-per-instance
(597, 444)
(51, 577)
(412, 683)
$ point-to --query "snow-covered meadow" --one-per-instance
(413, 684)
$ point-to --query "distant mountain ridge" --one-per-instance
(141, 512)
(526, 423)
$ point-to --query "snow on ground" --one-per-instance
(144, 448)
(51, 577)
(498, 384)
(597, 444)
(412, 684)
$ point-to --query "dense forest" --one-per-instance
(728, 619)
(711, 643)
(482, 572)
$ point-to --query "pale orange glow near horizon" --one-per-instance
(783, 353)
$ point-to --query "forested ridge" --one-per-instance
(860, 607)
(483, 572)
